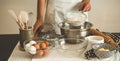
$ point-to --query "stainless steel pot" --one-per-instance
(74, 31)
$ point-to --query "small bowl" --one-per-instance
(105, 50)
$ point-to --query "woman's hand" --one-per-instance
(85, 6)
(37, 27)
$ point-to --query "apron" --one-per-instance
(55, 11)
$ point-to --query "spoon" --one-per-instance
(24, 17)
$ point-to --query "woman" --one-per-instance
(50, 13)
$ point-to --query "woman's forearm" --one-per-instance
(41, 5)
(41, 8)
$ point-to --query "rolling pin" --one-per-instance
(106, 38)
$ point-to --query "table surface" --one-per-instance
(9, 50)
(18, 55)
(56, 55)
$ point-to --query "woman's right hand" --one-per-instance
(85, 6)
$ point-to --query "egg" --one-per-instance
(32, 50)
(36, 46)
(43, 45)
(47, 43)
(39, 53)
(46, 51)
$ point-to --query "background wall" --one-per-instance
(104, 14)
(7, 23)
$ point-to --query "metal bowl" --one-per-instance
(108, 52)
(75, 31)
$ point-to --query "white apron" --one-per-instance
(55, 11)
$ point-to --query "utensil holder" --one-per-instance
(25, 36)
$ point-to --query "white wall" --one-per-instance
(104, 14)
(7, 24)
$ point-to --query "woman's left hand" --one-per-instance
(85, 6)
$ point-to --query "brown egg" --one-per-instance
(43, 45)
(39, 53)
(47, 43)
(46, 52)
(36, 46)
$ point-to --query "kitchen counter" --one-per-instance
(56, 55)
(9, 51)
(18, 55)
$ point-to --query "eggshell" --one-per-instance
(32, 50)
(33, 42)
(27, 46)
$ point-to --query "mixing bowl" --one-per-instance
(82, 43)
(72, 50)
(74, 31)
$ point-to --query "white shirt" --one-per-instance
(55, 11)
